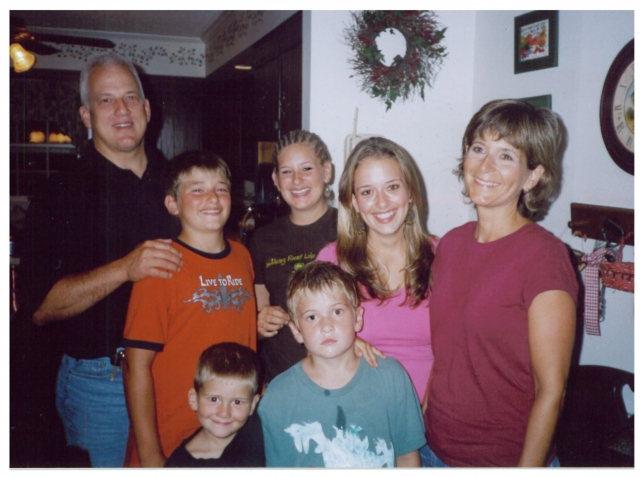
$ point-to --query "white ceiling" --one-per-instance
(183, 23)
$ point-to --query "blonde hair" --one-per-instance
(309, 139)
(352, 247)
(534, 131)
(319, 277)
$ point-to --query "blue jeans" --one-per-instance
(429, 459)
(93, 409)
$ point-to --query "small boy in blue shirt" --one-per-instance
(332, 409)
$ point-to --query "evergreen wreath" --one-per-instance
(420, 64)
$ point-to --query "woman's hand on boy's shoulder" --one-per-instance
(370, 353)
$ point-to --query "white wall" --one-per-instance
(479, 68)
(430, 130)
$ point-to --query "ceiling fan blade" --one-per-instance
(37, 47)
(75, 40)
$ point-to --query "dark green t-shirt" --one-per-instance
(278, 249)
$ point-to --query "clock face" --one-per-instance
(623, 109)
(617, 109)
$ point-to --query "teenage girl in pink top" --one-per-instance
(381, 242)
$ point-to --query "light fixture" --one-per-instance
(242, 67)
(22, 59)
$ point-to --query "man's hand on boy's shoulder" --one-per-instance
(152, 258)
(76, 293)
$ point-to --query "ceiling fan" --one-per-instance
(34, 41)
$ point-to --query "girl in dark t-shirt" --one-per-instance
(302, 174)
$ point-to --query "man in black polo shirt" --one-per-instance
(95, 232)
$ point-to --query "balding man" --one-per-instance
(94, 233)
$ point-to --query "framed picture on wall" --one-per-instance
(543, 101)
(535, 41)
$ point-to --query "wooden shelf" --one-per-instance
(591, 221)
(55, 148)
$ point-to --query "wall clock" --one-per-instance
(617, 109)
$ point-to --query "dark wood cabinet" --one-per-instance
(47, 102)
(246, 107)
(176, 113)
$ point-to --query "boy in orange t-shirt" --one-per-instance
(170, 322)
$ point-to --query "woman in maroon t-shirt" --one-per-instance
(503, 301)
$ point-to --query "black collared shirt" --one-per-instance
(93, 214)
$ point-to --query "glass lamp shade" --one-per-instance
(22, 59)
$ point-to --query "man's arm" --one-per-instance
(141, 404)
(74, 294)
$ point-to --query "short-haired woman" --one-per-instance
(503, 301)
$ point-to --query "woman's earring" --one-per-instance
(327, 191)
(278, 200)
(358, 225)
(410, 218)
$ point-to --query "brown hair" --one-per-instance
(184, 163)
(228, 360)
(534, 131)
(352, 247)
(317, 277)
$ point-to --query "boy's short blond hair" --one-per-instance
(186, 162)
(228, 361)
(320, 277)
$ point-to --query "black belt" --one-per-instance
(115, 359)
